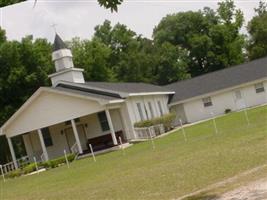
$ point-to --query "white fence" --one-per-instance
(149, 132)
(8, 167)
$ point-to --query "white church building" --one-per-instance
(73, 113)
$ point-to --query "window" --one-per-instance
(103, 121)
(160, 108)
(47, 137)
(140, 111)
(151, 110)
(259, 87)
(207, 102)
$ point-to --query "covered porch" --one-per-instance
(76, 123)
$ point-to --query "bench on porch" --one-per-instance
(104, 141)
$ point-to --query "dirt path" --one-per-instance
(253, 191)
(256, 190)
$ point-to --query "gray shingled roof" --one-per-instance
(58, 43)
(218, 80)
(128, 87)
(108, 91)
(85, 93)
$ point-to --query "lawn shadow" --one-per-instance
(203, 197)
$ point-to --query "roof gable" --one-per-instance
(47, 107)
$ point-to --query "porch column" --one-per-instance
(12, 152)
(114, 139)
(43, 144)
(76, 135)
(125, 131)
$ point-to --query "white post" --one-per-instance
(114, 139)
(2, 172)
(183, 131)
(125, 132)
(214, 123)
(246, 115)
(43, 144)
(76, 135)
(121, 146)
(92, 152)
(151, 138)
(66, 158)
(12, 152)
(36, 165)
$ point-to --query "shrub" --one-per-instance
(58, 161)
(29, 168)
(166, 120)
(144, 123)
(15, 173)
(227, 110)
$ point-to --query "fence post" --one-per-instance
(36, 165)
(183, 131)
(2, 172)
(66, 158)
(152, 140)
(92, 152)
(214, 123)
(246, 115)
(121, 146)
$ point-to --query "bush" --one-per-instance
(14, 174)
(29, 168)
(166, 120)
(56, 162)
(49, 164)
(227, 110)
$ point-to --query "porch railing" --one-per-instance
(149, 132)
(74, 149)
(42, 157)
(9, 167)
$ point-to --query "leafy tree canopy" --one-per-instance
(257, 29)
(211, 38)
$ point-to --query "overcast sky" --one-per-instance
(79, 17)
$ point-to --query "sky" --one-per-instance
(77, 18)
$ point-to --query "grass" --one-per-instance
(173, 169)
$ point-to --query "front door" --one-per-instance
(239, 101)
(71, 139)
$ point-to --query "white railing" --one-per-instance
(8, 167)
(42, 157)
(74, 149)
(149, 132)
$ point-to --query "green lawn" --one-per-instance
(173, 169)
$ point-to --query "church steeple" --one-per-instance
(62, 57)
(58, 43)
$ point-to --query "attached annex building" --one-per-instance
(73, 113)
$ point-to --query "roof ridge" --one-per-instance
(217, 71)
(90, 90)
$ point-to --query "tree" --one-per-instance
(257, 29)
(93, 56)
(211, 38)
(24, 68)
(129, 60)
(172, 64)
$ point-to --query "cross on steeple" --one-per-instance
(54, 27)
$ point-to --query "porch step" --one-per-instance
(115, 148)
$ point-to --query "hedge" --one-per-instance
(166, 120)
(49, 164)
